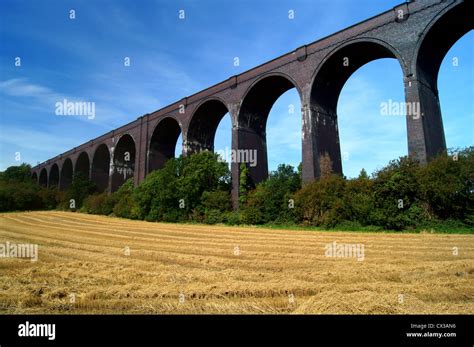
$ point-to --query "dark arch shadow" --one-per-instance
(123, 161)
(252, 122)
(66, 174)
(101, 167)
(203, 125)
(54, 176)
(82, 166)
(43, 178)
(444, 31)
(163, 143)
(438, 39)
(327, 85)
(34, 177)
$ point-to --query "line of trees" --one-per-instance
(402, 195)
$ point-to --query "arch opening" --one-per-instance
(54, 176)
(203, 126)
(446, 29)
(252, 124)
(325, 93)
(371, 118)
(34, 177)
(163, 143)
(456, 104)
(101, 168)
(451, 32)
(82, 166)
(439, 39)
(43, 178)
(66, 174)
(123, 161)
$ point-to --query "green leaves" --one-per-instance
(173, 192)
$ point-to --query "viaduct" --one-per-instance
(418, 34)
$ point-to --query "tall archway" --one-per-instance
(43, 178)
(123, 161)
(66, 174)
(34, 177)
(371, 117)
(82, 166)
(252, 122)
(203, 125)
(54, 176)
(328, 82)
(456, 104)
(101, 167)
(163, 143)
(440, 36)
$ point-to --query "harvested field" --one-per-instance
(96, 264)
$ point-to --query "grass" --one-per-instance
(183, 268)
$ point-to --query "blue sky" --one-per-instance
(82, 59)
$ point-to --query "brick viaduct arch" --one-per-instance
(162, 144)
(418, 34)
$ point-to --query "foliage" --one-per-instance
(272, 200)
(185, 187)
(79, 189)
(102, 203)
(125, 206)
(403, 195)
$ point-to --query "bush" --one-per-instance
(232, 218)
(214, 216)
(185, 187)
(359, 199)
(20, 196)
(49, 198)
(158, 194)
(216, 200)
(397, 200)
(446, 184)
(79, 189)
(321, 203)
(270, 200)
(99, 203)
(125, 205)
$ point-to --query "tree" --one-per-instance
(173, 192)
(21, 173)
(243, 183)
(270, 200)
(79, 189)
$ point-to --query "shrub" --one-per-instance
(100, 203)
(269, 201)
(321, 203)
(214, 216)
(79, 189)
(396, 195)
(446, 184)
(180, 189)
(125, 205)
(216, 200)
(232, 218)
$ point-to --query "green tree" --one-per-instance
(20, 173)
(80, 188)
